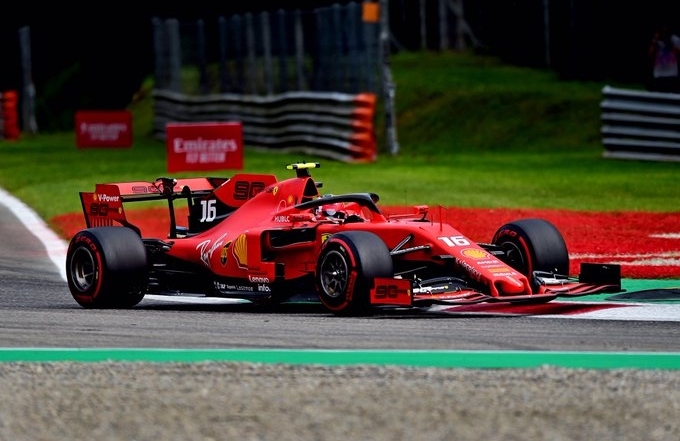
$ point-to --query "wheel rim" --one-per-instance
(83, 270)
(334, 273)
(514, 257)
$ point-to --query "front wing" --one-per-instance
(594, 279)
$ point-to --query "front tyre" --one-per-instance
(345, 270)
(106, 267)
(533, 245)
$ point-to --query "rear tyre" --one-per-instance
(106, 267)
(345, 270)
(533, 245)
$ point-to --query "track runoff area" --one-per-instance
(646, 299)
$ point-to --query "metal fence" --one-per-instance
(326, 49)
(334, 125)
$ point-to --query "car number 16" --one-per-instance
(454, 241)
(208, 210)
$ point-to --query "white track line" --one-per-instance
(639, 311)
(56, 247)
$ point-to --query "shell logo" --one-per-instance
(291, 199)
(94, 197)
(240, 251)
(474, 253)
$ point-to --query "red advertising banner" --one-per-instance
(204, 146)
(103, 128)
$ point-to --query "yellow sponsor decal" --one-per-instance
(500, 270)
(224, 253)
(240, 251)
(474, 253)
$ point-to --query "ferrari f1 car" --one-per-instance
(257, 238)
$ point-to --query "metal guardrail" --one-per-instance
(330, 124)
(637, 124)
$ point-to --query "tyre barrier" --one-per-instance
(335, 125)
(638, 124)
(9, 116)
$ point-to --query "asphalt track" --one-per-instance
(41, 322)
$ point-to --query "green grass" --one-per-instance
(472, 133)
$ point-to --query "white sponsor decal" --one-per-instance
(107, 198)
(207, 250)
(229, 287)
(200, 145)
(204, 151)
(103, 131)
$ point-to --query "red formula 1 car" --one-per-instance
(256, 238)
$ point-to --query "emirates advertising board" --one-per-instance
(103, 128)
(204, 146)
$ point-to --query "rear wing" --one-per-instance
(104, 206)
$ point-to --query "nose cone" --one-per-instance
(513, 285)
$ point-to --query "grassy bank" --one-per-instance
(472, 133)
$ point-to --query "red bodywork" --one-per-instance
(251, 231)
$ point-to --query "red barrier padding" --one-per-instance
(9, 101)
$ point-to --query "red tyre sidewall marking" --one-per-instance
(352, 276)
(344, 248)
(96, 290)
(525, 248)
(529, 256)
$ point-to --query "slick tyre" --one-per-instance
(346, 268)
(106, 267)
(533, 245)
